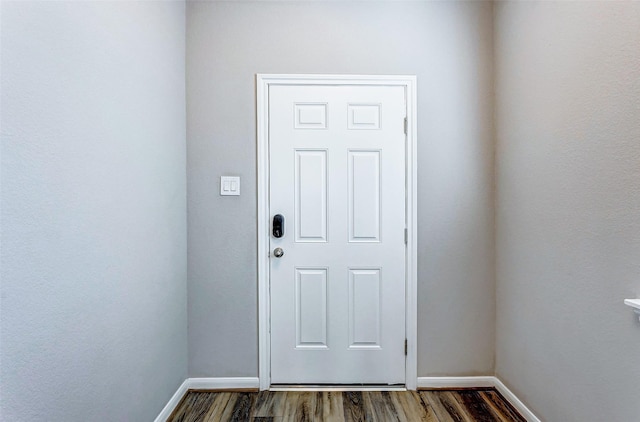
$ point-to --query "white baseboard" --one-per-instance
(515, 401)
(456, 382)
(224, 383)
(206, 384)
(173, 402)
(340, 388)
(471, 382)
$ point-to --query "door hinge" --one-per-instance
(406, 236)
(406, 346)
(406, 125)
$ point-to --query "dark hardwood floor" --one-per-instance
(483, 405)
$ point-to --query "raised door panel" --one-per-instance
(364, 116)
(310, 116)
(364, 308)
(311, 308)
(311, 195)
(364, 196)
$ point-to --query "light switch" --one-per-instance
(229, 185)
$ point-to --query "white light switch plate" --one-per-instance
(229, 185)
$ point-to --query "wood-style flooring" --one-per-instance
(483, 405)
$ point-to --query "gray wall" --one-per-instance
(93, 261)
(448, 45)
(93, 321)
(568, 207)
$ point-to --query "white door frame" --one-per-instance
(263, 82)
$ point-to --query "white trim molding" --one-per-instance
(515, 401)
(456, 382)
(263, 82)
(337, 388)
(232, 383)
(478, 382)
(173, 402)
(225, 384)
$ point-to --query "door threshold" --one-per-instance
(336, 387)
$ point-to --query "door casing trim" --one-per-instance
(263, 82)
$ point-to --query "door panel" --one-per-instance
(364, 309)
(364, 196)
(337, 174)
(311, 307)
(311, 195)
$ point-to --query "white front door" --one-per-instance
(337, 177)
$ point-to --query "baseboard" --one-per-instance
(173, 402)
(337, 388)
(478, 382)
(231, 383)
(455, 382)
(226, 384)
(515, 401)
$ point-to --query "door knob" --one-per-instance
(278, 252)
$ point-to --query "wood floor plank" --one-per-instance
(193, 408)
(446, 407)
(501, 407)
(306, 407)
(290, 406)
(243, 407)
(332, 408)
(411, 407)
(220, 401)
(269, 403)
(225, 411)
(378, 407)
(353, 405)
(475, 406)
(438, 408)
